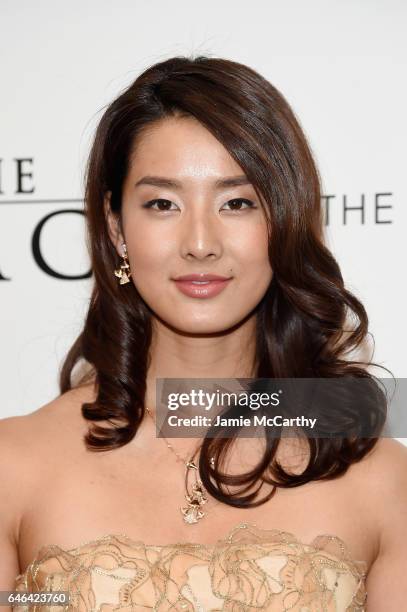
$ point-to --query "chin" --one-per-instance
(212, 325)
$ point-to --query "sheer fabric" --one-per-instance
(250, 569)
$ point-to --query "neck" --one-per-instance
(229, 354)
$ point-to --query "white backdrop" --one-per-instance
(340, 64)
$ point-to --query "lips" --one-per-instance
(202, 276)
(201, 285)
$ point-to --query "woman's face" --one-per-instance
(179, 219)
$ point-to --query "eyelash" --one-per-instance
(152, 202)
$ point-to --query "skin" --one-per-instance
(47, 474)
(201, 228)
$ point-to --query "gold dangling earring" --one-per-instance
(124, 272)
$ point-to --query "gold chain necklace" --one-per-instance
(196, 498)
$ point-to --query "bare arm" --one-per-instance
(11, 497)
(387, 579)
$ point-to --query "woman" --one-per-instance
(200, 167)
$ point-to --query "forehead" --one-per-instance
(181, 147)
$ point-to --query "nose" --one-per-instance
(201, 235)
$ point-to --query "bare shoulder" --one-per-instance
(24, 439)
(382, 475)
(385, 473)
(28, 441)
(383, 480)
(387, 461)
(388, 469)
(30, 446)
(63, 411)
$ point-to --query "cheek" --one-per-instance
(253, 267)
(149, 250)
(153, 252)
(250, 249)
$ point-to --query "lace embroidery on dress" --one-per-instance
(249, 570)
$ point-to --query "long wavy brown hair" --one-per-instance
(302, 319)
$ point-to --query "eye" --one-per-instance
(239, 202)
(162, 204)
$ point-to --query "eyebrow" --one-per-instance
(161, 181)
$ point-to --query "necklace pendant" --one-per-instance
(192, 514)
(193, 511)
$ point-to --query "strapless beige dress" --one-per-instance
(250, 569)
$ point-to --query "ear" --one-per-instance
(113, 224)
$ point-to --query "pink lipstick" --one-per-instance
(201, 285)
